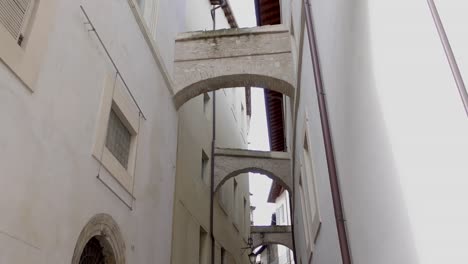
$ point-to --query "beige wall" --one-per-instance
(192, 194)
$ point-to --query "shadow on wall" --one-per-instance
(376, 213)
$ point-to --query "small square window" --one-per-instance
(202, 247)
(118, 139)
(204, 166)
(117, 133)
(206, 103)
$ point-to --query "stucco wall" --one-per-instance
(49, 186)
(397, 125)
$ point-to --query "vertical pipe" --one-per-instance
(326, 131)
(212, 179)
(213, 141)
(449, 53)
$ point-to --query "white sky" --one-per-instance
(244, 12)
(258, 139)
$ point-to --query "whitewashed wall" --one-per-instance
(49, 187)
(398, 127)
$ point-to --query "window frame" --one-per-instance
(205, 167)
(236, 220)
(309, 184)
(116, 98)
(24, 61)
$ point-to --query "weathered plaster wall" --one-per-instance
(49, 186)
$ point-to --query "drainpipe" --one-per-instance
(327, 138)
(213, 145)
(449, 53)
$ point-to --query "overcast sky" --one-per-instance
(244, 12)
(258, 138)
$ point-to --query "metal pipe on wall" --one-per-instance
(213, 141)
(327, 138)
(449, 53)
(212, 179)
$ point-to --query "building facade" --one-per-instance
(89, 142)
(92, 144)
(280, 197)
(378, 150)
(106, 143)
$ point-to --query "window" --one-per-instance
(204, 167)
(202, 247)
(305, 212)
(14, 16)
(224, 198)
(236, 206)
(24, 29)
(245, 218)
(310, 191)
(206, 103)
(223, 256)
(117, 133)
(118, 139)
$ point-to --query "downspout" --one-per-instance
(449, 53)
(213, 145)
(327, 138)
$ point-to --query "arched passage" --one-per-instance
(266, 173)
(248, 57)
(229, 81)
(232, 162)
(267, 235)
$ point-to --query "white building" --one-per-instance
(100, 139)
(397, 125)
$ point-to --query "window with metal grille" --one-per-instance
(14, 16)
(118, 139)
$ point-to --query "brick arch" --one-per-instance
(248, 57)
(107, 232)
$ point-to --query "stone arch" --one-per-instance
(268, 174)
(272, 243)
(232, 162)
(103, 228)
(232, 81)
(248, 57)
(268, 235)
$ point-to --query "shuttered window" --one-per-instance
(13, 15)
